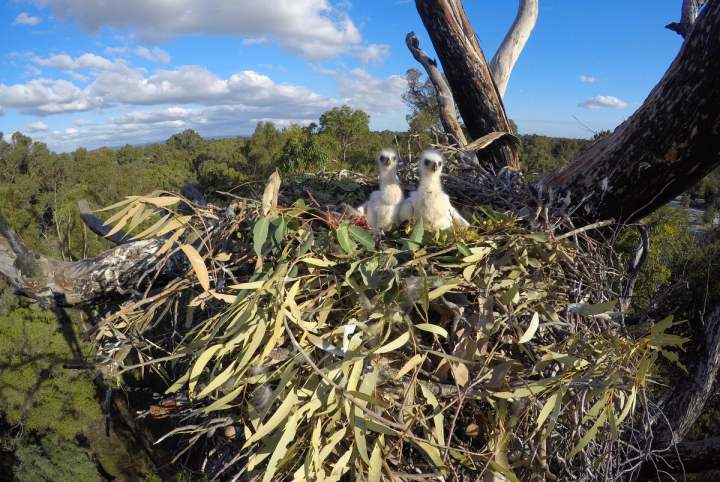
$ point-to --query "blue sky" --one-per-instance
(100, 72)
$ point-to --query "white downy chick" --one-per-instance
(429, 202)
(383, 207)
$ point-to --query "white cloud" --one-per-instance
(85, 61)
(117, 84)
(363, 91)
(38, 126)
(26, 19)
(154, 54)
(375, 54)
(45, 96)
(314, 29)
(588, 79)
(608, 101)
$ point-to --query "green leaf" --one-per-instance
(375, 467)
(548, 408)
(438, 330)
(281, 447)
(217, 381)
(531, 329)
(441, 290)
(260, 234)
(199, 365)
(584, 309)
(589, 435)
(343, 237)
(363, 237)
(277, 418)
(416, 236)
(198, 265)
(394, 345)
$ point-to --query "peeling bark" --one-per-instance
(670, 143)
(446, 102)
(512, 46)
(468, 75)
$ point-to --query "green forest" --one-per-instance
(52, 407)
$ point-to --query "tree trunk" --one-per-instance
(670, 143)
(468, 74)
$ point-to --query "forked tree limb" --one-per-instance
(688, 15)
(446, 102)
(513, 44)
(468, 75)
(670, 143)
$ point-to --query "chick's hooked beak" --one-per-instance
(433, 166)
(384, 160)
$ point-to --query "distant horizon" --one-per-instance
(76, 74)
(7, 136)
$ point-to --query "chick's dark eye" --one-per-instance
(427, 162)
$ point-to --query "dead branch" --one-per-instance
(688, 15)
(446, 102)
(512, 46)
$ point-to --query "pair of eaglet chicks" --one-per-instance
(388, 206)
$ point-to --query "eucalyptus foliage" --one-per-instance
(310, 348)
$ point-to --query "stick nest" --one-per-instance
(298, 345)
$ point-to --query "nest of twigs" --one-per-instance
(299, 345)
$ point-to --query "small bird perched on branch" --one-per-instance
(383, 207)
(429, 202)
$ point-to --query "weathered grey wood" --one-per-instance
(446, 102)
(690, 11)
(468, 75)
(93, 280)
(513, 44)
(670, 143)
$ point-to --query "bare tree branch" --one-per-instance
(688, 15)
(446, 102)
(468, 75)
(512, 46)
(670, 143)
(97, 279)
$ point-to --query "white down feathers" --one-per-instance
(429, 202)
(383, 208)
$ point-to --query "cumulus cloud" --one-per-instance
(588, 79)
(116, 83)
(374, 95)
(38, 126)
(26, 19)
(375, 54)
(154, 54)
(85, 61)
(314, 29)
(45, 96)
(601, 101)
